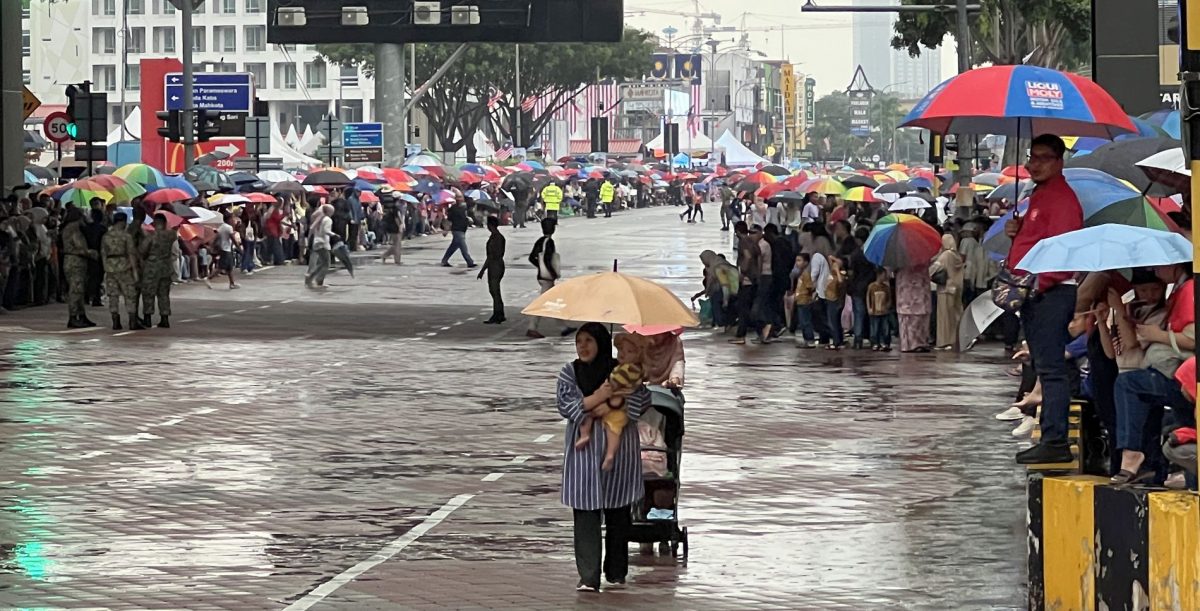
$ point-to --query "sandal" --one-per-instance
(1126, 477)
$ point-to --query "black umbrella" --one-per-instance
(203, 185)
(1120, 158)
(327, 178)
(899, 188)
(289, 187)
(774, 170)
(520, 180)
(341, 253)
(209, 175)
(787, 197)
(858, 180)
(208, 158)
(180, 209)
(747, 185)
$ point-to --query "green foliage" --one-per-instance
(832, 120)
(457, 104)
(1055, 32)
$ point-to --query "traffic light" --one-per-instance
(208, 125)
(172, 131)
(72, 127)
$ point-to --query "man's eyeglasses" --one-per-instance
(1044, 158)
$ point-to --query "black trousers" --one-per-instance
(616, 544)
(746, 296)
(352, 236)
(494, 276)
(95, 280)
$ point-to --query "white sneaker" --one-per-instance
(1026, 427)
(1012, 413)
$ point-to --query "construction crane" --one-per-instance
(698, 13)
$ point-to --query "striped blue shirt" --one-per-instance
(584, 485)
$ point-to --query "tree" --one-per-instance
(457, 105)
(831, 123)
(1052, 33)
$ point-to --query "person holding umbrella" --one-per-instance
(1054, 209)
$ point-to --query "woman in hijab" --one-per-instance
(721, 281)
(948, 267)
(913, 308)
(593, 494)
(320, 229)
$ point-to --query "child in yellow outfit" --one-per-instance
(625, 377)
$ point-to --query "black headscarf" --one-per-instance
(589, 376)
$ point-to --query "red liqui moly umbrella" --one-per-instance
(1020, 99)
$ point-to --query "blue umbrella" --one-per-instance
(478, 195)
(178, 182)
(537, 165)
(31, 179)
(473, 168)
(427, 185)
(1165, 120)
(1107, 247)
(410, 199)
(995, 242)
(363, 185)
(921, 182)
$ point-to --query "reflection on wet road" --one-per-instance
(240, 462)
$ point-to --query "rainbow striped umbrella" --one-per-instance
(126, 192)
(142, 174)
(861, 194)
(82, 198)
(824, 185)
(900, 241)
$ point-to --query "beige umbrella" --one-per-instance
(612, 297)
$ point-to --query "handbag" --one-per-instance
(940, 277)
(1011, 288)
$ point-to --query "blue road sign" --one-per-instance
(362, 135)
(224, 91)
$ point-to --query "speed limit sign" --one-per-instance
(56, 127)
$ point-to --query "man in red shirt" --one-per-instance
(274, 233)
(1053, 210)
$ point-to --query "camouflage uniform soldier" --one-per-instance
(120, 273)
(76, 256)
(156, 274)
(139, 235)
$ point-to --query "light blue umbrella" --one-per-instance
(1106, 247)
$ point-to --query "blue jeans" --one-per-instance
(804, 320)
(881, 333)
(458, 241)
(1045, 318)
(833, 311)
(1140, 397)
(859, 306)
(248, 255)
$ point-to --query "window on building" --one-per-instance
(350, 111)
(104, 78)
(285, 75)
(137, 40)
(201, 9)
(26, 48)
(104, 7)
(314, 75)
(228, 7)
(199, 42)
(167, 7)
(255, 6)
(258, 72)
(26, 77)
(104, 41)
(225, 39)
(133, 77)
(135, 7)
(256, 38)
(225, 67)
(164, 40)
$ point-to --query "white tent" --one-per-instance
(309, 142)
(291, 138)
(736, 153)
(687, 142)
(133, 123)
(290, 155)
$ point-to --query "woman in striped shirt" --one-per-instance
(583, 391)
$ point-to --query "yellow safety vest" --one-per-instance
(552, 194)
(606, 193)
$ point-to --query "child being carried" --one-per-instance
(624, 379)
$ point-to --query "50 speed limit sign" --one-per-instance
(56, 127)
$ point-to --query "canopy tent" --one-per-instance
(736, 153)
(290, 155)
(133, 123)
(688, 143)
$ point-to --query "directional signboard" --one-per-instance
(860, 113)
(224, 91)
(363, 142)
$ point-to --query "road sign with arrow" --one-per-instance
(224, 91)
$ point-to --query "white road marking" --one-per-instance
(189, 320)
(381, 556)
(203, 410)
(287, 301)
(92, 454)
(214, 316)
(431, 334)
(374, 282)
(472, 318)
(242, 311)
(263, 307)
(86, 330)
(543, 438)
(491, 477)
(518, 460)
(90, 340)
(171, 422)
(445, 328)
(122, 333)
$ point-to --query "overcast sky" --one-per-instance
(820, 42)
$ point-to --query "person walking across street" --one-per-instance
(157, 272)
(75, 267)
(223, 254)
(494, 266)
(393, 226)
(320, 229)
(459, 222)
(1054, 209)
(552, 197)
(120, 273)
(607, 193)
(544, 258)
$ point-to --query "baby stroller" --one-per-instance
(656, 518)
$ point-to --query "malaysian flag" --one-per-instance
(600, 99)
(529, 103)
(694, 112)
(495, 98)
(503, 153)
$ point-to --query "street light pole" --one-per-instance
(188, 118)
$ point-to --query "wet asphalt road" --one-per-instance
(375, 447)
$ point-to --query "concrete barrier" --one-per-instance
(1093, 546)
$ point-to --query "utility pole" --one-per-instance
(187, 129)
(517, 140)
(390, 109)
(1189, 76)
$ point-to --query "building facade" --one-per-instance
(888, 69)
(103, 41)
